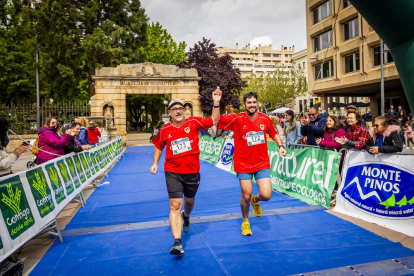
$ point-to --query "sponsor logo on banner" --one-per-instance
(72, 171)
(380, 189)
(89, 160)
(41, 192)
(85, 165)
(14, 207)
(79, 169)
(227, 155)
(66, 177)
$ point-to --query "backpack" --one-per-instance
(35, 148)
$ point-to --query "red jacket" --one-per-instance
(93, 134)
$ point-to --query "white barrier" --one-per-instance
(31, 200)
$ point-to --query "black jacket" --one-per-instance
(71, 147)
(392, 140)
(314, 130)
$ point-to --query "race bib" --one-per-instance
(255, 138)
(181, 145)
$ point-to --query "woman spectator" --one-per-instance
(333, 129)
(385, 137)
(7, 160)
(357, 136)
(292, 129)
(410, 135)
(93, 134)
(402, 119)
(73, 145)
(83, 134)
(50, 142)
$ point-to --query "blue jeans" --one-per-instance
(265, 173)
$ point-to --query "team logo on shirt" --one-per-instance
(316, 123)
(245, 127)
(187, 129)
(262, 127)
(169, 136)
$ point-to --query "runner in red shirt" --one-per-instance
(250, 154)
(182, 164)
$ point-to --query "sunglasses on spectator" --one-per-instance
(311, 114)
(54, 123)
(376, 125)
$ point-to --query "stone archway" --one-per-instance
(112, 84)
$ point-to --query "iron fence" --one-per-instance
(23, 117)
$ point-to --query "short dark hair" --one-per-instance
(75, 124)
(250, 94)
(314, 108)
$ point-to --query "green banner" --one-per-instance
(85, 165)
(41, 191)
(72, 171)
(210, 149)
(95, 161)
(79, 168)
(90, 163)
(14, 207)
(1, 244)
(66, 177)
(308, 174)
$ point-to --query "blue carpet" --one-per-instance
(281, 244)
(135, 195)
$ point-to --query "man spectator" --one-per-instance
(93, 134)
(399, 109)
(325, 114)
(73, 145)
(314, 127)
(368, 119)
(392, 113)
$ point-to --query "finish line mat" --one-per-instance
(293, 238)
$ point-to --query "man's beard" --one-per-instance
(251, 113)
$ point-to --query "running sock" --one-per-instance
(177, 242)
(186, 220)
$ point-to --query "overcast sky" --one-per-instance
(227, 22)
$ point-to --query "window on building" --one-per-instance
(352, 62)
(305, 104)
(346, 100)
(267, 55)
(330, 99)
(337, 99)
(322, 11)
(276, 55)
(324, 70)
(258, 66)
(269, 66)
(304, 64)
(351, 29)
(376, 55)
(311, 102)
(346, 3)
(354, 99)
(322, 41)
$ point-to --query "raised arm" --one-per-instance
(216, 105)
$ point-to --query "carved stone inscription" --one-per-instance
(154, 82)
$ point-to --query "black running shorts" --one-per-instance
(179, 184)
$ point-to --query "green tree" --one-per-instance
(17, 55)
(75, 37)
(162, 48)
(274, 89)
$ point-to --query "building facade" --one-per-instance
(344, 57)
(259, 60)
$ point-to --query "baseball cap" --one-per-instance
(175, 102)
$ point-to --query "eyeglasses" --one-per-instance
(177, 109)
(311, 114)
(375, 125)
(54, 123)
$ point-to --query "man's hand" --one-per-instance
(154, 169)
(217, 96)
(304, 122)
(341, 140)
(374, 150)
(86, 147)
(282, 151)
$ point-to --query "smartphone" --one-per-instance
(26, 143)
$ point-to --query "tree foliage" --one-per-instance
(274, 89)
(214, 71)
(162, 48)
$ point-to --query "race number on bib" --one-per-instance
(255, 138)
(181, 145)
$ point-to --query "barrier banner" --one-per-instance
(30, 200)
(210, 149)
(308, 174)
(226, 156)
(379, 189)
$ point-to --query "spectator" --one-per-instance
(333, 129)
(154, 133)
(348, 109)
(325, 114)
(282, 121)
(385, 137)
(368, 119)
(392, 113)
(7, 160)
(399, 109)
(410, 135)
(275, 121)
(410, 116)
(93, 134)
(292, 129)
(50, 142)
(402, 120)
(357, 136)
(314, 127)
(73, 145)
(83, 134)
(74, 120)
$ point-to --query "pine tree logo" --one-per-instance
(390, 202)
(40, 185)
(64, 172)
(13, 198)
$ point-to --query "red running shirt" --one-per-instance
(182, 154)
(250, 142)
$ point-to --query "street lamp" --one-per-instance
(382, 78)
(165, 103)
